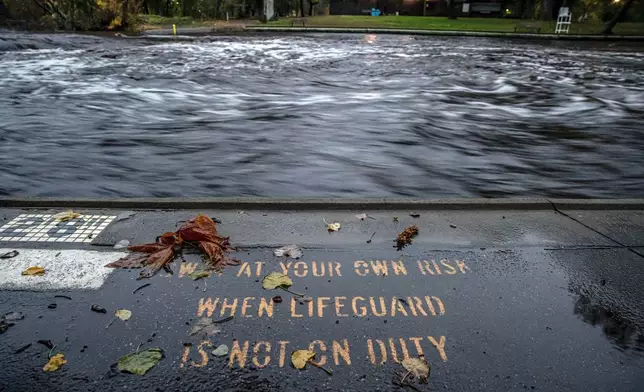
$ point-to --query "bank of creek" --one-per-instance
(320, 115)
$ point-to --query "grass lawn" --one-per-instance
(152, 22)
(461, 24)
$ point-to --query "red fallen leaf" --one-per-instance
(150, 257)
(216, 253)
(200, 228)
(164, 241)
(156, 261)
(133, 260)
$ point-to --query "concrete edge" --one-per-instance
(266, 203)
(453, 33)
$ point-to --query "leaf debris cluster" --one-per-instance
(199, 232)
(405, 238)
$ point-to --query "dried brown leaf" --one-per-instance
(406, 236)
(133, 260)
(34, 271)
(205, 326)
(418, 367)
(67, 215)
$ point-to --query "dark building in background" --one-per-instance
(4, 12)
(492, 8)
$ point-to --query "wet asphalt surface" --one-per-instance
(546, 315)
(319, 115)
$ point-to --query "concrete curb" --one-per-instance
(187, 33)
(448, 33)
(261, 203)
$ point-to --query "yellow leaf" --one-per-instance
(418, 367)
(335, 226)
(299, 358)
(67, 215)
(275, 280)
(140, 362)
(123, 314)
(34, 271)
(200, 275)
(55, 363)
(115, 23)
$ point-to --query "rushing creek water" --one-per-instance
(320, 115)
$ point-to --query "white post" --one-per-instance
(269, 9)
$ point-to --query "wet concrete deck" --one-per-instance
(496, 299)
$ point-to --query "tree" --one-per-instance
(451, 10)
(546, 9)
(610, 25)
(3, 10)
(124, 13)
(312, 3)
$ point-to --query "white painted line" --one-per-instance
(65, 269)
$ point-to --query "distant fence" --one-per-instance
(415, 7)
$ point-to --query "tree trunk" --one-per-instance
(301, 7)
(608, 27)
(451, 9)
(310, 8)
(124, 14)
(217, 9)
(4, 11)
(546, 9)
(167, 7)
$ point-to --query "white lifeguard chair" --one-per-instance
(563, 21)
